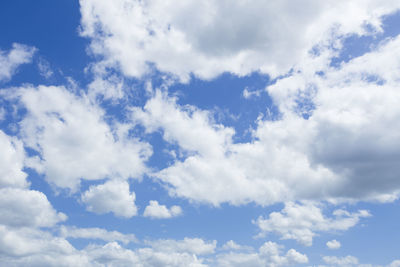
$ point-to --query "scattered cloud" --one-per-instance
(9, 61)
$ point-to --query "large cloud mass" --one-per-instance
(210, 37)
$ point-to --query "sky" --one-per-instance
(199, 133)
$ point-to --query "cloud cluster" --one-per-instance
(74, 141)
(96, 233)
(222, 36)
(269, 254)
(301, 222)
(342, 145)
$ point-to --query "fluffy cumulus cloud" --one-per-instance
(301, 222)
(74, 141)
(342, 145)
(96, 233)
(341, 261)
(221, 36)
(12, 156)
(112, 196)
(350, 129)
(217, 170)
(10, 60)
(30, 208)
(32, 247)
(190, 245)
(333, 244)
(155, 210)
(269, 254)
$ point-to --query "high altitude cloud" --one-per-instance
(223, 36)
(19, 54)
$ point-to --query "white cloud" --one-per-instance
(112, 196)
(96, 233)
(345, 150)
(232, 245)
(44, 68)
(155, 210)
(75, 142)
(32, 247)
(333, 244)
(216, 170)
(301, 222)
(115, 255)
(239, 37)
(189, 245)
(269, 254)
(19, 54)
(343, 261)
(30, 208)
(395, 263)
(12, 156)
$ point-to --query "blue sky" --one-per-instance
(169, 133)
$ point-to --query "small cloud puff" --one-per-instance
(157, 211)
(333, 244)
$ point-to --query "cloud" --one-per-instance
(217, 170)
(74, 141)
(33, 247)
(344, 261)
(232, 245)
(239, 37)
(269, 254)
(333, 244)
(155, 210)
(114, 254)
(29, 208)
(112, 196)
(96, 233)
(9, 62)
(12, 156)
(44, 68)
(301, 222)
(341, 146)
(189, 245)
